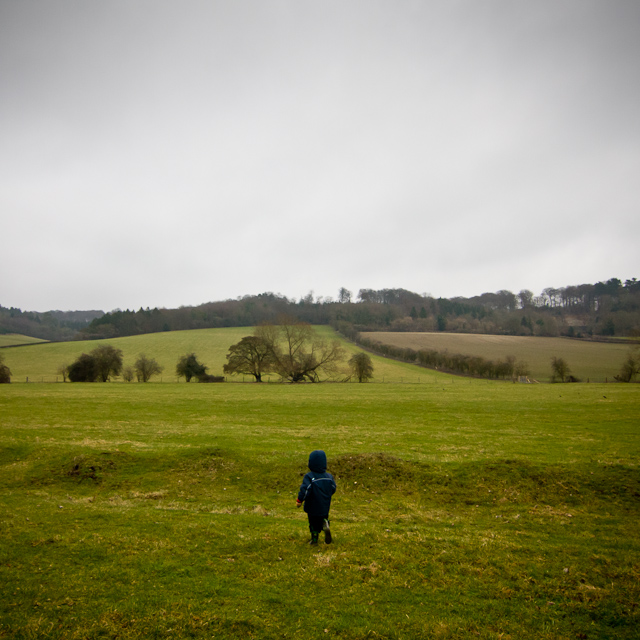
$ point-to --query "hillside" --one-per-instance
(589, 361)
(609, 308)
(52, 325)
(15, 339)
(41, 362)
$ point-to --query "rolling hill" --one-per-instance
(589, 361)
(41, 362)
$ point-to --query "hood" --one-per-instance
(318, 461)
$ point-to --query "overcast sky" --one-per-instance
(166, 153)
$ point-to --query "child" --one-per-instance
(316, 490)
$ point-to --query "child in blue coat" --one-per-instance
(315, 492)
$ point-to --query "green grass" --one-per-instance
(40, 363)
(589, 361)
(162, 510)
(13, 339)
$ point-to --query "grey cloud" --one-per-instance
(194, 151)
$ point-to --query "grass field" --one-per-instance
(40, 363)
(13, 339)
(593, 361)
(483, 510)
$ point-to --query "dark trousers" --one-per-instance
(316, 522)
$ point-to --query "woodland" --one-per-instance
(604, 310)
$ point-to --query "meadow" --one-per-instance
(13, 339)
(485, 510)
(41, 362)
(589, 361)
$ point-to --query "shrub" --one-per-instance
(145, 368)
(361, 366)
(559, 369)
(189, 367)
(103, 362)
(5, 373)
(630, 369)
(205, 377)
(84, 369)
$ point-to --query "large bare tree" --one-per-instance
(298, 353)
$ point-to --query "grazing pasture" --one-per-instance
(589, 361)
(13, 339)
(482, 509)
(41, 362)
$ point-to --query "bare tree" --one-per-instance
(526, 298)
(63, 370)
(344, 295)
(552, 296)
(630, 368)
(560, 369)
(521, 369)
(145, 368)
(298, 352)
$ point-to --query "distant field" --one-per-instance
(40, 362)
(12, 339)
(593, 361)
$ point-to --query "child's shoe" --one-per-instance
(314, 539)
(327, 531)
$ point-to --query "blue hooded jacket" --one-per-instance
(317, 486)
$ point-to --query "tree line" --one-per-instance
(457, 363)
(479, 367)
(605, 309)
(291, 349)
(51, 325)
(610, 308)
(106, 362)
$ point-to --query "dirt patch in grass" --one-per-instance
(376, 470)
(90, 468)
